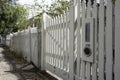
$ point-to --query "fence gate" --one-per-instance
(80, 44)
(57, 44)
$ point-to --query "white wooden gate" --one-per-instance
(57, 45)
(83, 43)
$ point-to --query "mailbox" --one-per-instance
(87, 42)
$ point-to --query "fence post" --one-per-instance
(30, 43)
(117, 40)
(39, 46)
(43, 43)
(71, 42)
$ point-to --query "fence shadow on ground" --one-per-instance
(28, 73)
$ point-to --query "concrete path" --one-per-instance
(9, 68)
(6, 66)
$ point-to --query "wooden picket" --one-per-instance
(95, 42)
(101, 42)
(109, 42)
(117, 41)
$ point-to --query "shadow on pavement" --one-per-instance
(17, 67)
(15, 64)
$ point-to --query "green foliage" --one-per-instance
(14, 17)
(11, 17)
(56, 8)
(113, 1)
(21, 17)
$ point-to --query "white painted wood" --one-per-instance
(58, 72)
(117, 40)
(82, 70)
(53, 48)
(88, 71)
(48, 32)
(52, 34)
(83, 39)
(88, 25)
(43, 36)
(59, 38)
(67, 26)
(64, 41)
(30, 43)
(53, 41)
(47, 47)
(60, 41)
(95, 34)
(50, 42)
(101, 41)
(109, 46)
(89, 19)
(71, 43)
(34, 46)
(78, 40)
(57, 43)
(65, 31)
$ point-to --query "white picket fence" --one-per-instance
(81, 44)
(25, 43)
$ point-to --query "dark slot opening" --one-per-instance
(87, 32)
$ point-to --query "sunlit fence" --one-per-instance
(81, 44)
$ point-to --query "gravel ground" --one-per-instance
(9, 67)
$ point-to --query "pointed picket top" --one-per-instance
(88, 8)
(67, 14)
(48, 22)
(61, 20)
(58, 17)
(101, 2)
(53, 21)
(63, 16)
(83, 7)
(57, 20)
(94, 11)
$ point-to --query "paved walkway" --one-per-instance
(9, 67)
